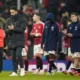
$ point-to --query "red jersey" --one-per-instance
(2, 36)
(37, 28)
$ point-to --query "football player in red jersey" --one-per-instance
(36, 33)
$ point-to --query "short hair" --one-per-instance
(74, 13)
(13, 8)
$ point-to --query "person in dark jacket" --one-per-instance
(74, 34)
(50, 40)
(15, 29)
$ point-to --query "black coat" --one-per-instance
(16, 36)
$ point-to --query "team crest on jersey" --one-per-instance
(76, 28)
(70, 28)
(52, 28)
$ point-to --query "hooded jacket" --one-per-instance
(50, 34)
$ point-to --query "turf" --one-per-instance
(30, 76)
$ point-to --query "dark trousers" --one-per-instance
(16, 53)
(30, 52)
(1, 59)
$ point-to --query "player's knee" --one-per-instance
(47, 57)
(38, 58)
(38, 55)
(51, 57)
(25, 58)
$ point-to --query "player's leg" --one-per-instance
(46, 54)
(50, 59)
(24, 54)
(39, 62)
(36, 58)
(75, 64)
(78, 70)
(69, 61)
(20, 59)
(25, 63)
(1, 59)
(14, 63)
(51, 62)
(40, 52)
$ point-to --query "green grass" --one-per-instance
(29, 76)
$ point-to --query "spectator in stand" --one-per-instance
(30, 10)
(65, 18)
(6, 13)
(25, 12)
(2, 22)
(43, 12)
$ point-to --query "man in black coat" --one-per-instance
(15, 29)
(50, 40)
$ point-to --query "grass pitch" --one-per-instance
(30, 76)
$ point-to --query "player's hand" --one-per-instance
(42, 46)
(64, 31)
(69, 34)
(29, 42)
(38, 34)
(32, 34)
(6, 48)
(11, 27)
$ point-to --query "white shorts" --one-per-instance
(37, 49)
(24, 51)
(49, 52)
